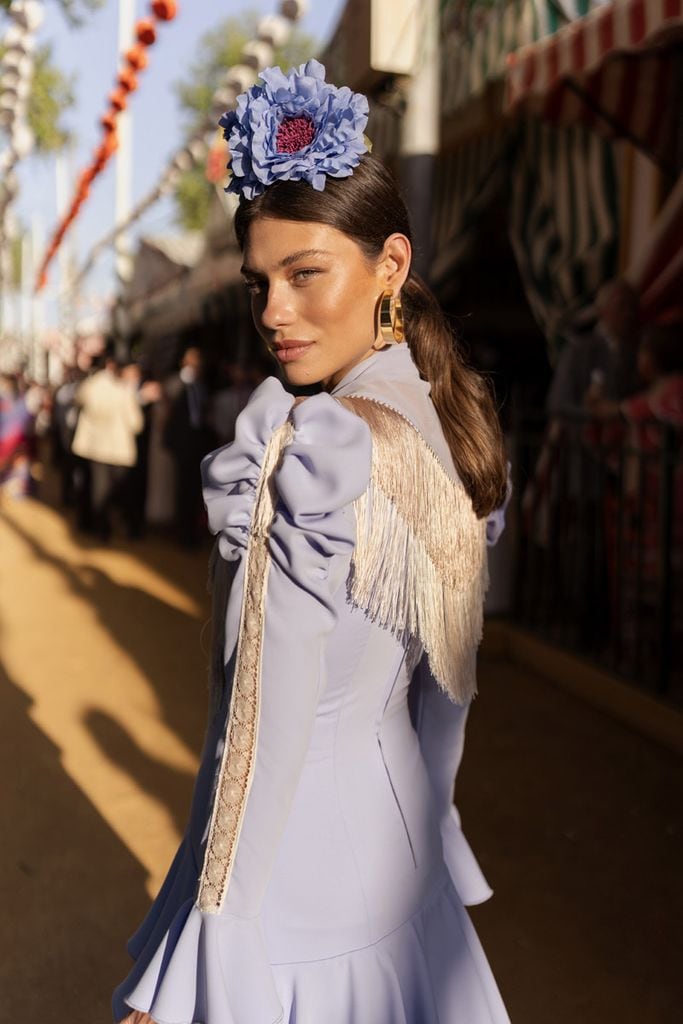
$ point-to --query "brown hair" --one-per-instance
(368, 208)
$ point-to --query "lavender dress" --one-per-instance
(323, 875)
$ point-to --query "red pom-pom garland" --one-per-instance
(128, 80)
(165, 10)
(145, 32)
(118, 99)
(137, 57)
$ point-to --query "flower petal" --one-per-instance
(338, 115)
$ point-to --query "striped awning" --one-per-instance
(563, 220)
(466, 182)
(617, 69)
(558, 187)
(656, 271)
(478, 35)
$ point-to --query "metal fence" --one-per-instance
(600, 544)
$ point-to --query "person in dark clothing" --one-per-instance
(563, 504)
(188, 439)
(601, 362)
(134, 489)
(64, 419)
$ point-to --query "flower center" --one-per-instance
(294, 133)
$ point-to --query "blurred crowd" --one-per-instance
(614, 384)
(126, 447)
(24, 418)
(604, 500)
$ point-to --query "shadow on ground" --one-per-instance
(69, 889)
(167, 785)
(578, 825)
(158, 637)
(577, 822)
(158, 549)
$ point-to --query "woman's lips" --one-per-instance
(288, 351)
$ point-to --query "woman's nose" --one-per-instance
(277, 311)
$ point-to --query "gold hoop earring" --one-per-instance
(391, 327)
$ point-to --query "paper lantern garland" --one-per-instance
(137, 57)
(273, 30)
(135, 60)
(128, 80)
(146, 32)
(165, 10)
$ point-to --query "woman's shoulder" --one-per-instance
(399, 410)
(315, 453)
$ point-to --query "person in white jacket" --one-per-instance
(109, 420)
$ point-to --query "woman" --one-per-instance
(323, 873)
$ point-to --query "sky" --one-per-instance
(90, 56)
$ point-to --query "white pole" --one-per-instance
(37, 314)
(4, 276)
(420, 132)
(24, 302)
(64, 174)
(27, 275)
(420, 125)
(124, 154)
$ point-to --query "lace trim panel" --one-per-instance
(239, 755)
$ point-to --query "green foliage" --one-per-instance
(217, 51)
(73, 9)
(193, 196)
(51, 94)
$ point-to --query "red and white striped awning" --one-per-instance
(618, 68)
(656, 271)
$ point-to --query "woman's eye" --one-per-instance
(253, 287)
(305, 274)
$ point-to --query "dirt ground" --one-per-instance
(576, 820)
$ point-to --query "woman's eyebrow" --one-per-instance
(293, 257)
(303, 254)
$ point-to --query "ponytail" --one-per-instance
(461, 397)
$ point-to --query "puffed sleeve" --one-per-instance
(495, 522)
(440, 727)
(231, 474)
(230, 478)
(298, 537)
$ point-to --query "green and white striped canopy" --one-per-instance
(478, 35)
(558, 184)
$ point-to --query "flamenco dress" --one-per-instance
(323, 875)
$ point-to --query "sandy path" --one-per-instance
(577, 821)
(102, 691)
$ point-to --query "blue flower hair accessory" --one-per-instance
(294, 127)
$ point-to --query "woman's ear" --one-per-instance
(394, 264)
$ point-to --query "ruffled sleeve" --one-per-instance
(293, 519)
(231, 474)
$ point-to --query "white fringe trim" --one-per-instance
(419, 566)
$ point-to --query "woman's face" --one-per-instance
(314, 295)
